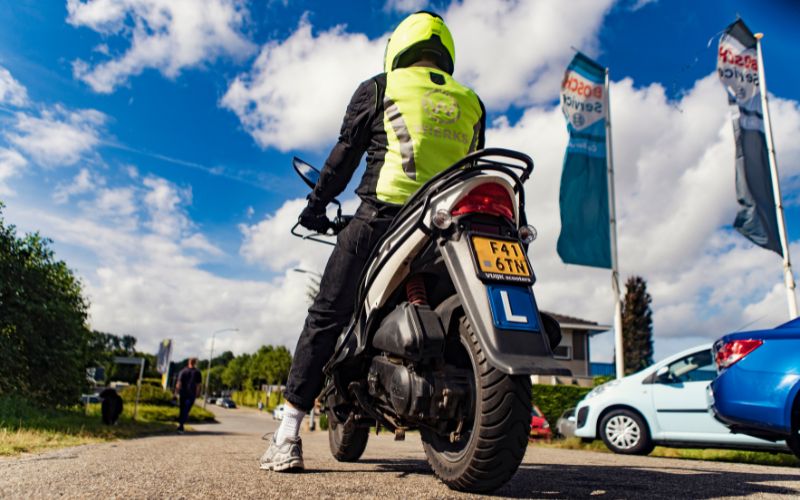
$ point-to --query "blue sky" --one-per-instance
(172, 197)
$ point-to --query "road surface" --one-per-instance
(221, 460)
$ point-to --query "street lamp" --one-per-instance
(210, 356)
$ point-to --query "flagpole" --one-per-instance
(788, 276)
(619, 348)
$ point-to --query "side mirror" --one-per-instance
(663, 374)
(309, 174)
(571, 419)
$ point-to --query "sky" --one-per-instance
(151, 140)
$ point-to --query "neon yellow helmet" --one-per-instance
(421, 34)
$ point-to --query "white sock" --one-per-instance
(290, 425)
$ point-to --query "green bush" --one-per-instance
(275, 399)
(553, 400)
(155, 382)
(323, 422)
(149, 395)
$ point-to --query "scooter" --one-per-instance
(446, 331)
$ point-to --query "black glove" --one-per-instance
(313, 218)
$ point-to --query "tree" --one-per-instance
(44, 340)
(236, 372)
(637, 325)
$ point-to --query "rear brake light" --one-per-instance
(733, 351)
(489, 198)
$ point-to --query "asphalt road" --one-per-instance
(221, 460)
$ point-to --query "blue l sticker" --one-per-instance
(513, 307)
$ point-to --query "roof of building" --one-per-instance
(577, 323)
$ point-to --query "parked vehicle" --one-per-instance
(756, 392)
(211, 400)
(446, 329)
(663, 404)
(540, 427)
(277, 413)
(226, 403)
(565, 425)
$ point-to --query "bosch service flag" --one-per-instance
(737, 66)
(585, 234)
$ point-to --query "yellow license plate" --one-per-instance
(498, 258)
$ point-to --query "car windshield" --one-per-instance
(696, 367)
(536, 412)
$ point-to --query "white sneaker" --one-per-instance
(286, 457)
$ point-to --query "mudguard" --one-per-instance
(510, 351)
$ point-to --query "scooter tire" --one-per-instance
(499, 434)
(347, 441)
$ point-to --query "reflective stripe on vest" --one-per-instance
(429, 127)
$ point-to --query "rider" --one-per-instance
(413, 121)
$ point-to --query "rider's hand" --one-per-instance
(313, 218)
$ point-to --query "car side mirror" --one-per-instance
(571, 419)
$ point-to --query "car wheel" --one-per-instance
(793, 441)
(625, 432)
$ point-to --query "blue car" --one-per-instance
(756, 391)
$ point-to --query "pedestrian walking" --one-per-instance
(187, 389)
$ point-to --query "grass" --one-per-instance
(713, 455)
(26, 428)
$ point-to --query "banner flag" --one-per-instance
(585, 233)
(164, 356)
(737, 66)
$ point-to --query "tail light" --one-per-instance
(733, 351)
(490, 198)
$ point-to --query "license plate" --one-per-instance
(502, 260)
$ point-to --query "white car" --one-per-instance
(664, 404)
(277, 413)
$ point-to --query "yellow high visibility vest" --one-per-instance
(431, 121)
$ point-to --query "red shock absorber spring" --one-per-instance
(415, 290)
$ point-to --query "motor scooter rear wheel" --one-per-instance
(346, 440)
(495, 433)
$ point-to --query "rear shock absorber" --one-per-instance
(415, 290)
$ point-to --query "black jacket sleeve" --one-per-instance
(482, 131)
(354, 139)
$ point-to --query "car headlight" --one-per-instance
(601, 388)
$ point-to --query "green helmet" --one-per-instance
(420, 34)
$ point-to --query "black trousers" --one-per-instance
(186, 402)
(332, 308)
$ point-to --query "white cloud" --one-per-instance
(675, 195)
(516, 52)
(269, 245)
(11, 164)
(510, 52)
(11, 91)
(58, 136)
(83, 182)
(166, 35)
(163, 202)
(639, 4)
(405, 6)
(281, 101)
(150, 283)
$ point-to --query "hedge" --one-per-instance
(252, 397)
(149, 395)
(553, 400)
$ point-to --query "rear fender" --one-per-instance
(512, 352)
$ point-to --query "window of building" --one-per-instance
(562, 352)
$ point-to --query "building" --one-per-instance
(573, 351)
